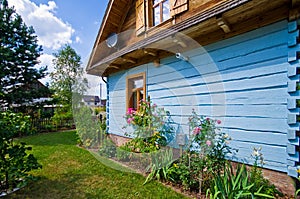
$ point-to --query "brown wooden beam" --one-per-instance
(150, 52)
(116, 66)
(129, 59)
(223, 24)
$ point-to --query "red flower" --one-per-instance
(218, 121)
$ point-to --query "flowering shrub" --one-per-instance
(150, 131)
(145, 121)
(205, 157)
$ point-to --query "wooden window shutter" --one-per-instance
(140, 17)
(178, 6)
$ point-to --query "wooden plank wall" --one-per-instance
(293, 109)
(241, 81)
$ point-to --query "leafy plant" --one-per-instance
(209, 146)
(145, 121)
(88, 128)
(150, 129)
(234, 183)
(108, 148)
(161, 162)
(257, 178)
(15, 163)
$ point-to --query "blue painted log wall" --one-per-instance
(244, 81)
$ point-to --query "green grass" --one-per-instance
(72, 172)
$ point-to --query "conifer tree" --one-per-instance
(19, 53)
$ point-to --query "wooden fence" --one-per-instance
(47, 124)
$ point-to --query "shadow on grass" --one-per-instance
(66, 187)
(51, 139)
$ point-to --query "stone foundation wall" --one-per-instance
(118, 140)
(282, 181)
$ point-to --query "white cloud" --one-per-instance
(46, 60)
(94, 86)
(52, 32)
(78, 40)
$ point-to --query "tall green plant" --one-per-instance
(161, 162)
(67, 80)
(234, 183)
(19, 53)
(256, 175)
(15, 163)
(88, 127)
(211, 145)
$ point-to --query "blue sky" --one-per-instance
(74, 22)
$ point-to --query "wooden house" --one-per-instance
(233, 60)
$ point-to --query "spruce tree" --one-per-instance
(19, 53)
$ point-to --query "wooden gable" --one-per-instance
(178, 6)
(205, 21)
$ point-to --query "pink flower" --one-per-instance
(207, 119)
(196, 130)
(218, 121)
(130, 111)
(208, 142)
(129, 120)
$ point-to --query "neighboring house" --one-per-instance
(233, 60)
(42, 93)
(91, 100)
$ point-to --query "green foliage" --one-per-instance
(206, 153)
(151, 128)
(108, 149)
(19, 52)
(147, 120)
(162, 161)
(15, 163)
(67, 79)
(235, 183)
(257, 178)
(88, 127)
(232, 184)
(209, 141)
(189, 171)
(14, 124)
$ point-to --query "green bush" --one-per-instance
(108, 148)
(88, 128)
(15, 163)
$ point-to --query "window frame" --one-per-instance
(130, 89)
(152, 13)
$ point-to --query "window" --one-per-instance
(161, 11)
(136, 90)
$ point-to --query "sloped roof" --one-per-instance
(91, 98)
(99, 65)
(112, 21)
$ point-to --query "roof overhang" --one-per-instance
(208, 26)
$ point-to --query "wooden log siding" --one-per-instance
(254, 71)
(293, 95)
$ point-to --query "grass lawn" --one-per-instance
(72, 172)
